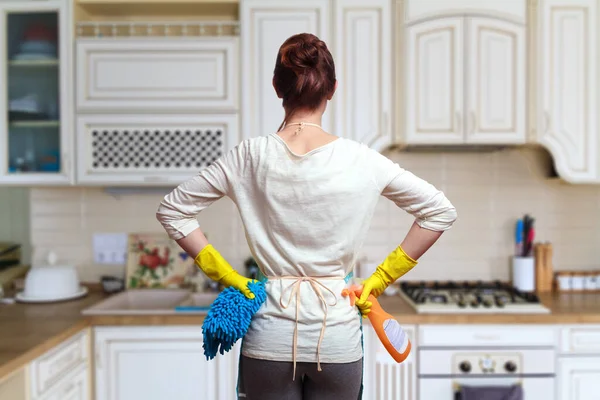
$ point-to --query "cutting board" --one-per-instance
(156, 261)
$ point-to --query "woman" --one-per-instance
(306, 198)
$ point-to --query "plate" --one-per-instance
(21, 297)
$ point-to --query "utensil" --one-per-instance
(519, 238)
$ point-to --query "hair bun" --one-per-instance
(301, 55)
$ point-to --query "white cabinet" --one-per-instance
(567, 86)
(265, 25)
(157, 363)
(358, 34)
(362, 52)
(435, 74)
(150, 149)
(159, 74)
(75, 386)
(496, 98)
(62, 373)
(579, 378)
(153, 111)
(35, 93)
(465, 81)
(384, 378)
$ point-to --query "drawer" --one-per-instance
(580, 339)
(131, 75)
(75, 386)
(53, 366)
(486, 335)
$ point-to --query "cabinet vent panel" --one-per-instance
(161, 149)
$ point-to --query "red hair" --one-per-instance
(304, 73)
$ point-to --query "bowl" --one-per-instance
(51, 282)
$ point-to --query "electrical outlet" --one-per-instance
(110, 248)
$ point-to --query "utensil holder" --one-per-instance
(523, 273)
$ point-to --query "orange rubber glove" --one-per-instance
(218, 269)
(393, 267)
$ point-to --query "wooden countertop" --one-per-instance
(29, 330)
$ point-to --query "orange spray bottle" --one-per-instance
(388, 330)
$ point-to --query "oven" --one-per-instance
(442, 371)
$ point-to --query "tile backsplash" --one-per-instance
(490, 190)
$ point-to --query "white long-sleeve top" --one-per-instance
(304, 215)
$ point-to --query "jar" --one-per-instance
(564, 282)
(578, 282)
(590, 281)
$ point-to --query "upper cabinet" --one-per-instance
(357, 32)
(464, 73)
(155, 104)
(160, 74)
(568, 86)
(35, 101)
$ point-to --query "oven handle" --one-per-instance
(457, 392)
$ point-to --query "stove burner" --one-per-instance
(490, 296)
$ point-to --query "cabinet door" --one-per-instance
(362, 43)
(265, 25)
(35, 105)
(150, 149)
(434, 82)
(568, 86)
(579, 378)
(496, 98)
(161, 75)
(153, 363)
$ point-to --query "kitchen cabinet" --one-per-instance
(153, 111)
(35, 103)
(63, 372)
(579, 362)
(384, 378)
(157, 363)
(158, 74)
(568, 87)
(358, 33)
(465, 81)
(579, 378)
(150, 150)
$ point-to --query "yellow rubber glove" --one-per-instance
(216, 268)
(393, 267)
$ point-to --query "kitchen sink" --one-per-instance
(153, 302)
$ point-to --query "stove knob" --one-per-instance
(487, 303)
(474, 303)
(510, 366)
(465, 367)
(462, 303)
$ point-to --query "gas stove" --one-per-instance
(469, 297)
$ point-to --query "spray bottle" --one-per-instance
(388, 330)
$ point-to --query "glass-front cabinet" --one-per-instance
(35, 118)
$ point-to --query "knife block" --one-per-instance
(544, 275)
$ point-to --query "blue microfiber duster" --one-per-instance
(229, 318)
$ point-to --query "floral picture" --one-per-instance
(155, 261)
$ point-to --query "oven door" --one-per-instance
(446, 388)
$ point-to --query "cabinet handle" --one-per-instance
(546, 121)
(155, 179)
(473, 121)
(458, 119)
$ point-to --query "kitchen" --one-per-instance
(128, 67)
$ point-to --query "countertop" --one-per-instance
(29, 330)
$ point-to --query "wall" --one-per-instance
(14, 219)
(490, 191)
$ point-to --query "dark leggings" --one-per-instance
(272, 380)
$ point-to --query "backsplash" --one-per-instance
(489, 190)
